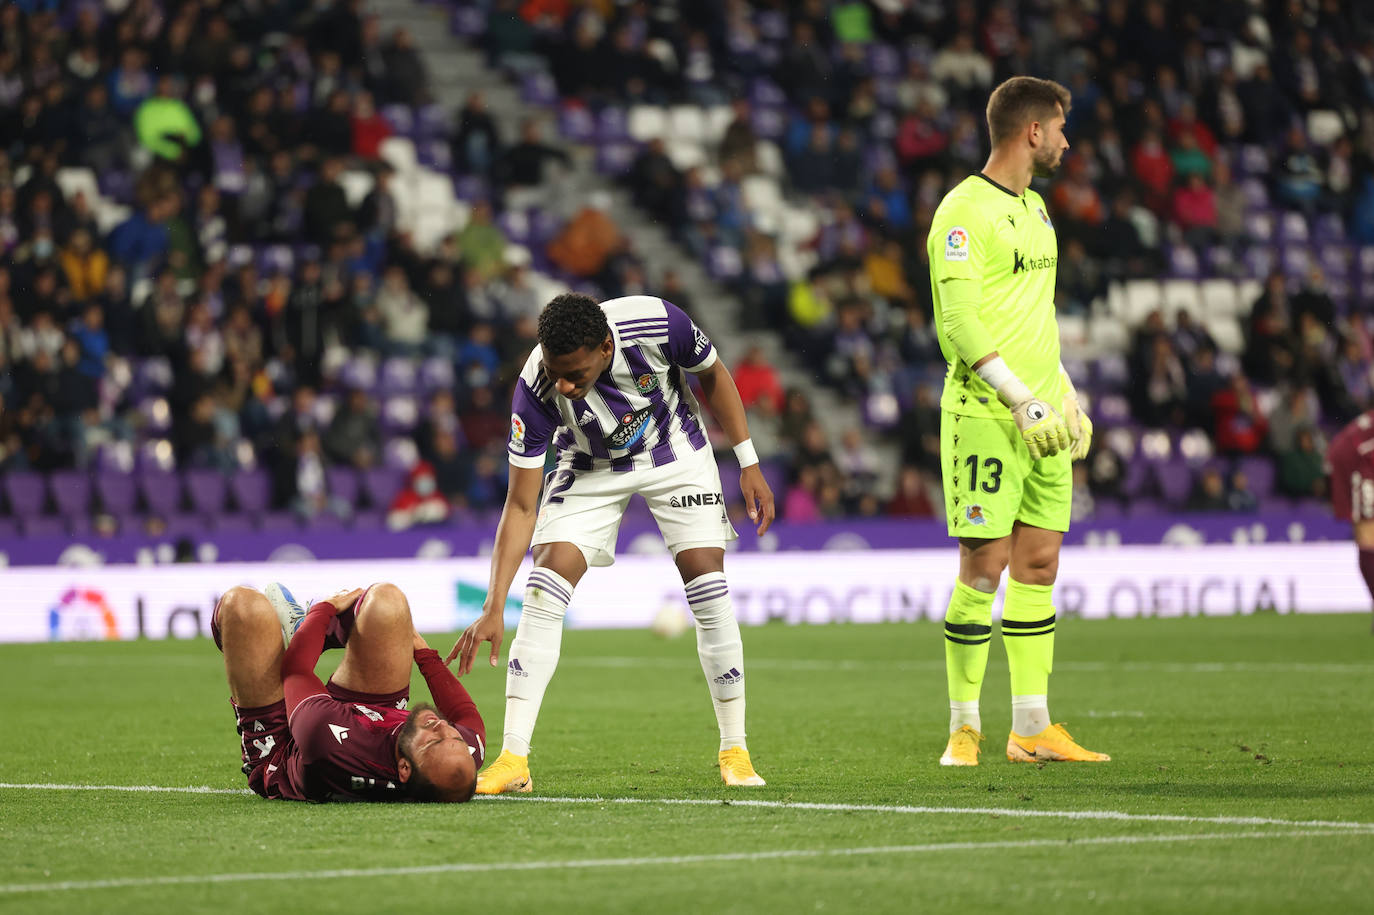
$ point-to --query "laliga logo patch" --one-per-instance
(646, 383)
(974, 514)
(1044, 217)
(956, 244)
(517, 433)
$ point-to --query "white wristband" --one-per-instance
(1011, 389)
(745, 454)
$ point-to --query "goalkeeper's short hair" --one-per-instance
(1023, 99)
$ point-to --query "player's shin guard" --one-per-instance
(721, 653)
(534, 655)
(968, 630)
(1028, 634)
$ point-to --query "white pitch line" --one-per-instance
(903, 809)
(1180, 667)
(590, 863)
(1115, 815)
(140, 789)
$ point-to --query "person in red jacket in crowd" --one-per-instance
(1241, 427)
(420, 502)
(352, 739)
(369, 127)
(758, 382)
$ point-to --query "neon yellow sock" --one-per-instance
(968, 630)
(1028, 634)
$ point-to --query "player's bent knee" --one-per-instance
(384, 600)
(241, 605)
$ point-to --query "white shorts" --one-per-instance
(584, 508)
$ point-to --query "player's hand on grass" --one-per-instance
(1042, 429)
(1079, 425)
(490, 627)
(344, 600)
(758, 498)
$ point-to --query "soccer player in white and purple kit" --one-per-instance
(606, 389)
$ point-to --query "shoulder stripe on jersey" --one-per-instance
(630, 322)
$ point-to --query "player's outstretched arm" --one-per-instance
(513, 535)
(723, 398)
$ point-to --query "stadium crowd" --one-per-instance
(227, 319)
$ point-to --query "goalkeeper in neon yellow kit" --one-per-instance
(1010, 420)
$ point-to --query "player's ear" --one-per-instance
(607, 345)
(403, 770)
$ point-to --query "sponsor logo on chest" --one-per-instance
(629, 429)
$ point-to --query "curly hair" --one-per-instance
(571, 321)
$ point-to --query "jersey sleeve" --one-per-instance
(533, 419)
(956, 243)
(688, 345)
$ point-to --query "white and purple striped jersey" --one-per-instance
(640, 413)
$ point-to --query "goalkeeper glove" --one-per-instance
(1079, 425)
(1042, 429)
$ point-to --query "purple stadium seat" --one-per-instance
(435, 154)
(769, 123)
(42, 526)
(398, 376)
(370, 520)
(71, 492)
(1260, 473)
(614, 158)
(400, 452)
(117, 492)
(400, 119)
(765, 93)
(230, 524)
(342, 483)
(359, 372)
(431, 122)
(184, 524)
(279, 522)
(470, 188)
(156, 454)
(25, 492)
(612, 126)
(325, 521)
(9, 529)
(1137, 480)
(1328, 228)
(1276, 505)
(1144, 508)
(1296, 260)
(252, 491)
(884, 60)
(1183, 262)
(436, 374)
(154, 375)
(208, 490)
(400, 414)
(161, 491)
(544, 225)
(1108, 510)
(538, 88)
(115, 457)
(516, 225)
(1175, 481)
(725, 262)
(381, 485)
(575, 124)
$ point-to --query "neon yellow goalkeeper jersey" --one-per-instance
(1006, 246)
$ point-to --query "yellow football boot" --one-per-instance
(962, 749)
(508, 775)
(1051, 745)
(736, 769)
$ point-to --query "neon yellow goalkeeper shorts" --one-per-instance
(991, 482)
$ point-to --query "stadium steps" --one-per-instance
(456, 70)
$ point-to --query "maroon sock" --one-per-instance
(1367, 569)
(340, 628)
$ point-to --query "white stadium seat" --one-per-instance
(1324, 127)
(1219, 298)
(357, 185)
(647, 122)
(1142, 297)
(761, 193)
(399, 153)
(1227, 333)
(687, 122)
(1182, 295)
(718, 118)
(685, 154)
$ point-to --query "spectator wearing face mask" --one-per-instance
(420, 502)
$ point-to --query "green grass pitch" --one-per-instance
(1215, 725)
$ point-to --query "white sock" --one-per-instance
(1029, 715)
(721, 653)
(533, 655)
(965, 713)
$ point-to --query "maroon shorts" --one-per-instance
(264, 735)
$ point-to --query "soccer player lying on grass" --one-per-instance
(606, 390)
(352, 739)
(1010, 420)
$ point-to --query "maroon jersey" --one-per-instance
(341, 745)
(1351, 459)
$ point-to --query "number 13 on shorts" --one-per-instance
(990, 481)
